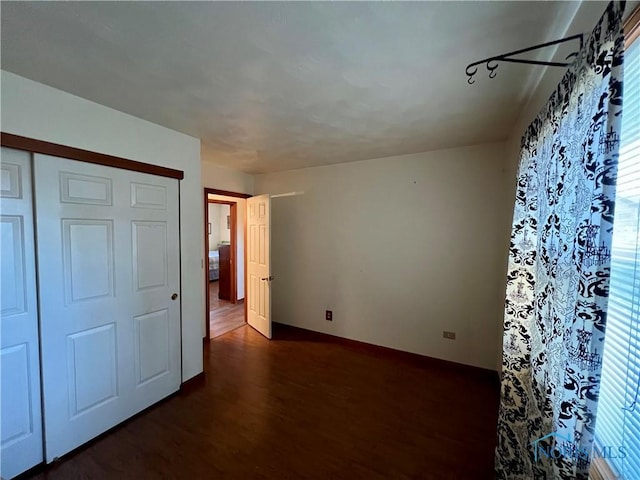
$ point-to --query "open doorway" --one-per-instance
(224, 243)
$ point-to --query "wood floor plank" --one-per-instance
(224, 316)
(304, 406)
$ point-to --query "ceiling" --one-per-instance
(274, 86)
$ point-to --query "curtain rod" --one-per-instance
(506, 57)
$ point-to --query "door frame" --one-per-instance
(233, 248)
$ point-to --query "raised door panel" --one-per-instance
(152, 346)
(149, 246)
(85, 189)
(14, 292)
(254, 283)
(17, 418)
(10, 178)
(148, 196)
(88, 259)
(92, 368)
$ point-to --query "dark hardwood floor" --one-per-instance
(305, 405)
(224, 316)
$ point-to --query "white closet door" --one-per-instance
(108, 264)
(21, 420)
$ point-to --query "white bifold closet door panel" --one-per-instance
(108, 263)
(21, 420)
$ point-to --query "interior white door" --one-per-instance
(21, 419)
(108, 264)
(259, 264)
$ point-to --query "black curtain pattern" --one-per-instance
(559, 267)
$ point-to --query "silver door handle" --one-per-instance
(268, 279)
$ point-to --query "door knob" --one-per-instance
(268, 279)
(174, 296)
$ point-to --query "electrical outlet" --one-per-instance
(449, 335)
(328, 315)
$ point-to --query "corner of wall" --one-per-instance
(224, 178)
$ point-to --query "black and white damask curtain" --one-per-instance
(559, 266)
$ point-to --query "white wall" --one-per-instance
(240, 233)
(399, 248)
(218, 219)
(37, 111)
(221, 178)
(214, 221)
(225, 232)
